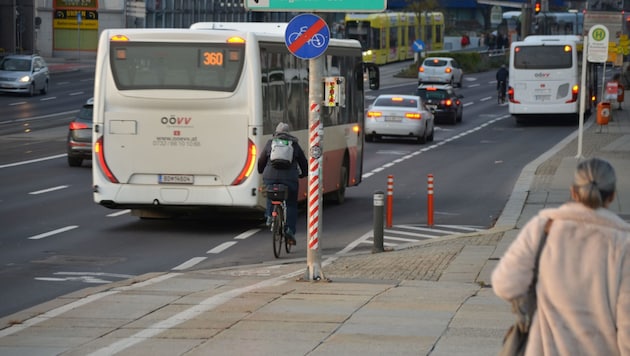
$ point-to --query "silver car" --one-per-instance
(444, 70)
(24, 74)
(401, 116)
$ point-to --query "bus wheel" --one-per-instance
(339, 196)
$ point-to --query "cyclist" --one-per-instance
(287, 176)
(502, 77)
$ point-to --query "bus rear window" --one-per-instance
(192, 66)
(542, 57)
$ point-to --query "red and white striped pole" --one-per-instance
(430, 200)
(315, 152)
(390, 201)
(314, 196)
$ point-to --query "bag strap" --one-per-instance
(530, 301)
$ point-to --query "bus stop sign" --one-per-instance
(307, 36)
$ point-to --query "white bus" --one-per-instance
(180, 114)
(545, 77)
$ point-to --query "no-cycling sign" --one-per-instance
(307, 36)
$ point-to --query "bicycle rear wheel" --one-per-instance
(277, 229)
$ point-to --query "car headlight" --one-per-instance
(25, 79)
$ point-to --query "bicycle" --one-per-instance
(278, 194)
(501, 92)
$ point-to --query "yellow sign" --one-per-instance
(72, 23)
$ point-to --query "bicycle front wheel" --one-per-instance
(277, 229)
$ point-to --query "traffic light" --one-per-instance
(537, 6)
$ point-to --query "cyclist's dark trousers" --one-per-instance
(501, 87)
(291, 201)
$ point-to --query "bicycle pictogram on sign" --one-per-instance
(307, 36)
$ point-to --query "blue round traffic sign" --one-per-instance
(307, 36)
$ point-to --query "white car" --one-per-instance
(400, 116)
(444, 70)
(24, 74)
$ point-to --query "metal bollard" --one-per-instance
(379, 202)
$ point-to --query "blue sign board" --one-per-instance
(307, 36)
(418, 46)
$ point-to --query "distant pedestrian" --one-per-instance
(465, 41)
(583, 290)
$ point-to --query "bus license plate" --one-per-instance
(176, 179)
(543, 97)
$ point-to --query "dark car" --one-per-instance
(442, 100)
(80, 136)
(24, 74)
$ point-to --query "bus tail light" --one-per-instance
(575, 90)
(510, 93)
(250, 162)
(100, 155)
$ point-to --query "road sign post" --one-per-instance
(307, 37)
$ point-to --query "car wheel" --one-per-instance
(430, 138)
(369, 138)
(31, 89)
(44, 88)
(453, 120)
(74, 161)
(423, 138)
(460, 115)
(461, 80)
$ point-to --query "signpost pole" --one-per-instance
(582, 97)
(314, 270)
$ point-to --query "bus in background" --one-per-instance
(544, 23)
(180, 114)
(389, 37)
(545, 78)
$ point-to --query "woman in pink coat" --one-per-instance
(583, 289)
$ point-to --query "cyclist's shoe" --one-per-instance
(269, 221)
(288, 234)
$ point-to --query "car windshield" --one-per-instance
(435, 63)
(396, 102)
(15, 65)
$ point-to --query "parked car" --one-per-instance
(443, 101)
(79, 140)
(399, 115)
(25, 74)
(445, 70)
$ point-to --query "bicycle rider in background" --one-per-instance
(287, 176)
(502, 78)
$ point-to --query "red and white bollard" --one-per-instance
(390, 201)
(430, 200)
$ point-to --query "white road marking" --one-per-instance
(49, 190)
(191, 262)
(222, 247)
(119, 213)
(246, 234)
(54, 232)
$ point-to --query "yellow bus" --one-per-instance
(389, 37)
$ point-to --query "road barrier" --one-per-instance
(430, 200)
